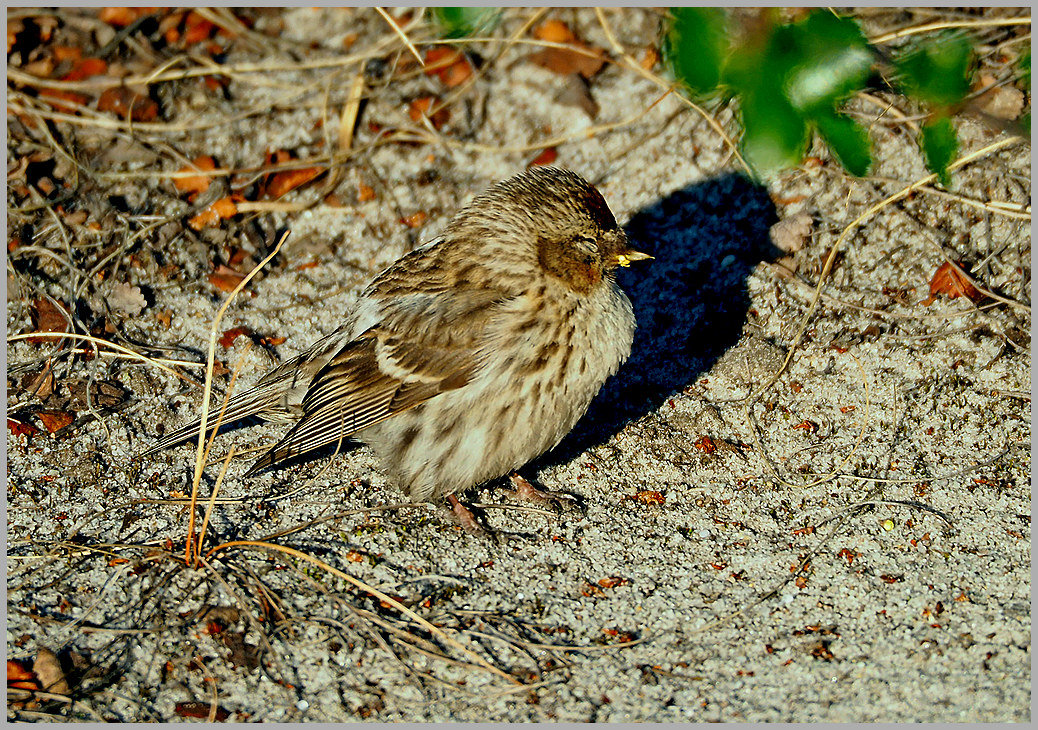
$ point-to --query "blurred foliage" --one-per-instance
(792, 80)
(465, 22)
(940, 146)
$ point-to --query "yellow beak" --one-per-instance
(624, 259)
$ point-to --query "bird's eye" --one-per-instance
(586, 245)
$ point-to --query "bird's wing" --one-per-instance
(267, 399)
(424, 345)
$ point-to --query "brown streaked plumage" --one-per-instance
(470, 355)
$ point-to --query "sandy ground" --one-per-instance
(851, 545)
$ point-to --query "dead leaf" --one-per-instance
(200, 710)
(127, 299)
(60, 99)
(222, 208)
(649, 59)
(421, 107)
(577, 92)
(1002, 102)
(122, 17)
(284, 182)
(48, 669)
(165, 317)
(948, 281)
(20, 677)
(40, 384)
(449, 64)
(648, 496)
(85, 68)
(228, 337)
(47, 317)
(554, 31)
(19, 428)
(548, 156)
(415, 220)
(365, 193)
(197, 28)
(225, 278)
(790, 234)
(566, 61)
(55, 420)
(195, 183)
(123, 103)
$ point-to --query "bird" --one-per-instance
(469, 356)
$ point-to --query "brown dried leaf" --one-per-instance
(55, 420)
(554, 31)
(200, 710)
(225, 278)
(451, 65)
(21, 429)
(20, 677)
(123, 103)
(48, 669)
(46, 317)
(421, 107)
(948, 281)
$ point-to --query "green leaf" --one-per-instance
(848, 140)
(937, 70)
(774, 133)
(1025, 68)
(695, 46)
(465, 22)
(828, 59)
(940, 145)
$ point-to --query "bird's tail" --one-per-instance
(261, 401)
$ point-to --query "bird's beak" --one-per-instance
(624, 259)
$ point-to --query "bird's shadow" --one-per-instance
(690, 302)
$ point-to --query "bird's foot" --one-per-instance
(529, 493)
(465, 517)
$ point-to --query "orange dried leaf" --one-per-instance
(86, 68)
(225, 278)
(231, 335)
(222, 208)
(195, 183)
(548, 156)
(66, 53)
(55, 420)
(21, 429)
(706, 445)
(199, 711)
(123, 102)
(648, 496)
(948, 281)
(355, 557)
(649, 59)
(122, 17)
(196, 29)
(423, 105)
(20, 677)
(282, 183)
(554, 31)
(365, 193)
(450, 64)
(416, 220)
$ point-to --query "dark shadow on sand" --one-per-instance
(690, 302)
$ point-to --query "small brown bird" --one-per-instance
(472, 354)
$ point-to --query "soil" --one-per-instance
(850, 542)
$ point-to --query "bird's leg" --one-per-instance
(464, 516)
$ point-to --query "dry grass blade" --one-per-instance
(371, 590)
(200, 453)
(403, 36)
(941, 25)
